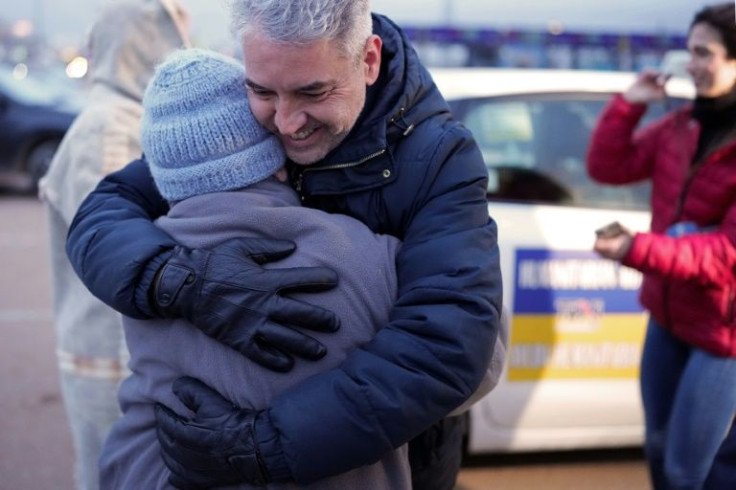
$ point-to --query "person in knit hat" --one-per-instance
(223, 173)
(198, 132)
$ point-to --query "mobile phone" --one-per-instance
(610, 230)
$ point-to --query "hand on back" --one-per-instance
(226, 293)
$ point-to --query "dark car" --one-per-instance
(34, 116)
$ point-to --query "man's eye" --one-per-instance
(315, 95)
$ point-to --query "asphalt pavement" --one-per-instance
(35, 443)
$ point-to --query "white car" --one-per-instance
(576, 326)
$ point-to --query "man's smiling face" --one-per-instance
(310, 96)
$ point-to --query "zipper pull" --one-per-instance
(298, 184)
(401, 123)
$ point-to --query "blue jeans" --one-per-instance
(689, 399)
(723, 473)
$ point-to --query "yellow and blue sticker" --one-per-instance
(575, 316)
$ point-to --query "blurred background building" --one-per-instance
(47, 38)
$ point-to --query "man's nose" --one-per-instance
(289, 117)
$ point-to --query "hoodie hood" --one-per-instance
(127, 42)
(129, 39)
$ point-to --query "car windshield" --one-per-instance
(535, 146)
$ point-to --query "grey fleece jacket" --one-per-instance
(163, 350)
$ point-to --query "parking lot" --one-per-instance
(35, 446)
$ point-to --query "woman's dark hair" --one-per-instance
(721, 17)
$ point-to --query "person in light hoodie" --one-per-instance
(126, 42)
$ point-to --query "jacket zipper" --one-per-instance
(400, 122)
(730, 306)
(337, 166)
(685, 188)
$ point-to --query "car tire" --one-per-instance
(39, 160)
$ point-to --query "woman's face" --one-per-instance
(713, 72)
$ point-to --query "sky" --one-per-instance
(65, 22)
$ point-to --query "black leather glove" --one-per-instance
(216, 448)
(225, 293)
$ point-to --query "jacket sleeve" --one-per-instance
(617, 154)
(113, 244)
(706, 258)
(437, 347)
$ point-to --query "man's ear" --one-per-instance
(372, 59)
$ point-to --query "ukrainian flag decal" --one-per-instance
(575, 316)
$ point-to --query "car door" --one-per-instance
(576, 327)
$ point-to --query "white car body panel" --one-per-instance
(457, 83)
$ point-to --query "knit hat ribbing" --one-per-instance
(198, 133)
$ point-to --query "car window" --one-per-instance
(534, 147)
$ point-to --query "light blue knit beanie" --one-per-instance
(198, 132)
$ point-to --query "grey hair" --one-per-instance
(304, 22)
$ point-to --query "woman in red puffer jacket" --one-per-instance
(688, 375)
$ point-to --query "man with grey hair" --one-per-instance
(367, 134)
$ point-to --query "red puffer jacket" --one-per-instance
(690, 281)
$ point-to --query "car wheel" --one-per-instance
(39, 159)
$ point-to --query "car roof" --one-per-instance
(459, 83)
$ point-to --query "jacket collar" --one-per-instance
(689, 131)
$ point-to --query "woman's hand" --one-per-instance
(648, 87)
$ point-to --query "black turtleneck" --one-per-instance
(717, 118)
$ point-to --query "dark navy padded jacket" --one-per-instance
(407, 169)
